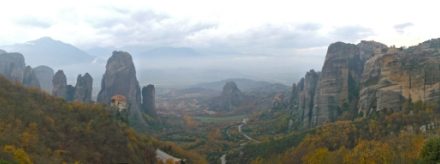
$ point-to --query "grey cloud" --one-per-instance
(148, 29)
(351, 33)
(309, 27)
(273, 40)
(34, 22)
(400, 28)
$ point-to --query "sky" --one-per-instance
(273, 32)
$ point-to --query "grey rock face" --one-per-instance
(339, 83)
(120, 79)
(307, 97)
(365, 78)
(148, 100)
(30, 79)
(231, 96)
(12, 66)
(59, 85)
(83, 88)
(294, 97)
(368, 48)
(70, 93)
(302, 100)
(397, 76)
(44, 75)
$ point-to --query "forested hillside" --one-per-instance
(38, 128)
(386, 137)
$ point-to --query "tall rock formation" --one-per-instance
(59, 84)
(338, 84)
(366, 78)
(12, 66)
(231, 96)
(120, 79)
(396, 76)
(148, 100)
(29, 78)
(294, 97)
(83, 88)
(44, 75)
(307, 96)
(70, 93)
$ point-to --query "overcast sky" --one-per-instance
(227, 23)
(252, 28)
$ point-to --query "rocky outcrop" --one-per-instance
(59, 84)
(81, 92)
(120, 79)
(231, 96)
(302, 100)
(396, 76)
(307, 96)
(83, 88)
(148, 100)
(368, 48)
(29, 78)
(365, 78)
(294, 96)
(70, 93)
(44, 75)
(339, 83)
(12, 66)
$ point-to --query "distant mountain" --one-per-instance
(47, 51)
(245, 85)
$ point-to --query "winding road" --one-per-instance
(240, 126)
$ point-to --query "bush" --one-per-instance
(431, 151)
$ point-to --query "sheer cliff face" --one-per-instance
(365, 78)
(338, 84)
(396, 75)
(120, 79)
(333, 93)
(59, 84)
(307, 96)
(12, 66)
(148, 100)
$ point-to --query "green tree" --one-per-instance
(431, 151)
